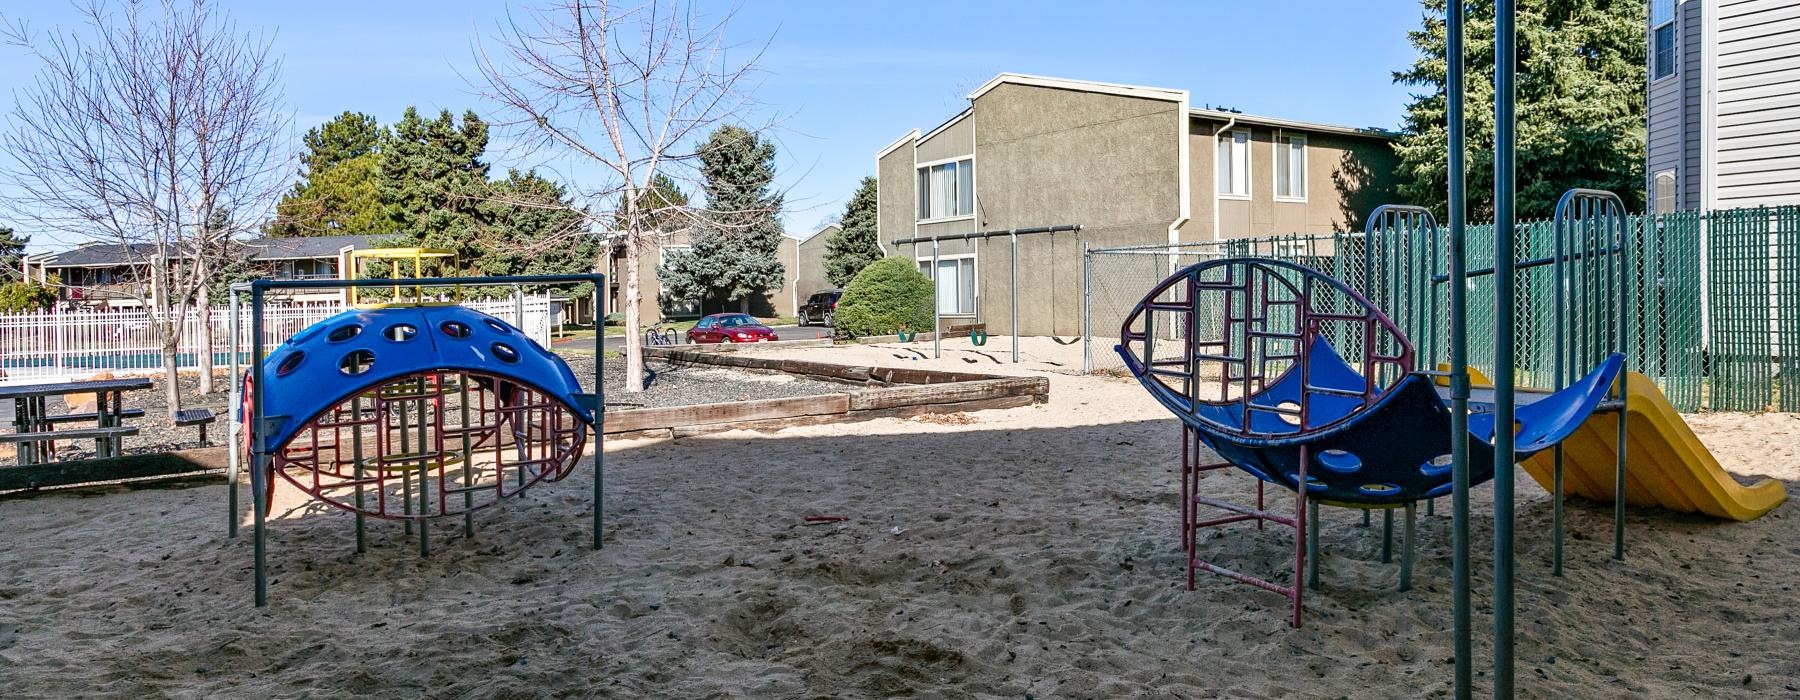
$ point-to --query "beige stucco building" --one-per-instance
(1132, 165)
(809, 263)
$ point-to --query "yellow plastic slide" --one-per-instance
(1666, 465)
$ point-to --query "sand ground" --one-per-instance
(1023, 552)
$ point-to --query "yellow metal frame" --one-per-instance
(418, 256)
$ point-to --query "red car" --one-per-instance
(730, 328)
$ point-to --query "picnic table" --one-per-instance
(34, 428)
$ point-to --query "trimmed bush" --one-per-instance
(21, 296)
(886, 295)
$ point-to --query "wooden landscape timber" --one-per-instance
(888, 392)
(207, 463)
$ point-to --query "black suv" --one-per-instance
(820, 307)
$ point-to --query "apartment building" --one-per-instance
(1723, 103)
(1133, 165)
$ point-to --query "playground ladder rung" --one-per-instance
(1329, 316)
(411, 458)
(1244, 578)
(1333, 391)
(1217, 358)
(1246, 510)
(350, 481)
(1275, 409)
(1221, 286)
(1223, 520)
(1169, 373)
(1168, 306)
(1274, 334)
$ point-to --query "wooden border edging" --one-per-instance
(137, 466)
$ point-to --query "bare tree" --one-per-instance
(629, 89)
(155, 126)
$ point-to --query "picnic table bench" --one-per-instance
(34, 428)
(200, 417)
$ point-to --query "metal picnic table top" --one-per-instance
(20, 391)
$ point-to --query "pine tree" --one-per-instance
(856, 244)
(12, 248)
(1580, 105)
(433, 180)
(531, 227)
(339, 188)
(735, 253)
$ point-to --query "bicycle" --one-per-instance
(656, 334)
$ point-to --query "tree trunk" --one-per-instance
(203, 305)
(744, 305)
(163, 312)
(634, 349)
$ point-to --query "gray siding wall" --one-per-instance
(1758, 103)
(1667, 114)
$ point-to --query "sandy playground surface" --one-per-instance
(1024, 552)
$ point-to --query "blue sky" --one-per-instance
(846, 77)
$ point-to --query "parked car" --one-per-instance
(820, 307)
(730, 328)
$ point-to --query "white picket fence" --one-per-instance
(57, 345)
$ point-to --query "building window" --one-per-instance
(955, 284)
(1290, 166)
(1234, 163)
(1663, 194)
(1662, 39)
(947, 190)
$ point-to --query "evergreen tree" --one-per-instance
(531, 227)
(735, 253)
(338, 191)
(856, 244)
(433, 180)
(1580, 105)
(12, 248)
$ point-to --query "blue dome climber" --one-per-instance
(355, 351)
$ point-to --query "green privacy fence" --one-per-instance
(1713, 298)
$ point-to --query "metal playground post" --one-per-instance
(1012, 236)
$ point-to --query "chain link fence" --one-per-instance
(1711, 299)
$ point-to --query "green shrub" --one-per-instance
(887, 295)
(16, 297)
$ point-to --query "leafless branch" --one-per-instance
(157, 126)
(632, 89)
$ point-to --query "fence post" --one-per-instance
(1087, 313)
(61, 345)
